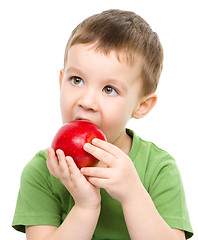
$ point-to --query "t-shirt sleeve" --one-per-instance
(167, 192)
(36, 203)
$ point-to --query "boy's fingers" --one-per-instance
(71, 165)
(98, 182)
(52, 162)
(96, 172)
(62, 163)
(100, 154)
(108, 147)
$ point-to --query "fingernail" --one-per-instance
(59, 152)
(94, 140)
(86, 146)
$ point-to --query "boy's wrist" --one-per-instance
(92, 211)
(96, 207)
(134, 197)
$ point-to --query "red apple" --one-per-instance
(71, 138)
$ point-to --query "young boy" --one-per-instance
(112, 66)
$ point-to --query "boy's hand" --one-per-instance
(119, 178)
(83, 192)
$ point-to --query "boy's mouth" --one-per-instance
(82, 119)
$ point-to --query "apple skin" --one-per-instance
(71, 138)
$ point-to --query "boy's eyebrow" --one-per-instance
(110, 81)
(73, 69)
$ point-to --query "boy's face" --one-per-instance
(100, 89)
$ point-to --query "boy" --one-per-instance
(112, 66)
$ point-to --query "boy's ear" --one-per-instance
(145, 105)
(61, 77)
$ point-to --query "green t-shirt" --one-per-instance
(43, 200)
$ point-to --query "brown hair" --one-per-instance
(125, 32)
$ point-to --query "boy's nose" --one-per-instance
(88, 101)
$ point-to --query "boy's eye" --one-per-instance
(77, 81)
(110, 90)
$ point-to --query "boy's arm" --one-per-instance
(79, 224)
(121, 181)
(144, 222)
(81, 221)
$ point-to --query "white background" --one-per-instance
(32, 43)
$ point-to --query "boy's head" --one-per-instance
(125, 33)
(112, 66)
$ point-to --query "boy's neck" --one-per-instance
(124, 142)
